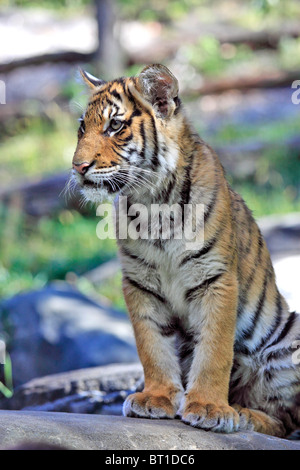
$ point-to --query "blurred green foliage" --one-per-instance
(6, 388)
(211, 57)
(269, 132)
(252, 13)
(34, 252)
(289, 53)
(51, 4)
(274, 186)
(35, 146)
(147, 10)
(112, 290)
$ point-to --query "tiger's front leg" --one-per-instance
(213, 313)
(163, 389)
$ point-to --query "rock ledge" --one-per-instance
(96, 432)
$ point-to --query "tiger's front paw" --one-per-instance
(211, 417)
(147, 405)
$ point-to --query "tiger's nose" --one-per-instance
(81, 167)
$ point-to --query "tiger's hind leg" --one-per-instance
(256, 420)
(265, 378)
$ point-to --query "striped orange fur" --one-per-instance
(213, 333)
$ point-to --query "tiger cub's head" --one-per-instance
(128, 136)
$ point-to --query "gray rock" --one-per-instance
(99, 390)
(282, 233)
(102, 390)
(57, 329)
(92, 432)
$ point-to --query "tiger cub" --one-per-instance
(214, 335)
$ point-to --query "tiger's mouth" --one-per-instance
(109, 185)
(103, 178)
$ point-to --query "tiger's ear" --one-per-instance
(90, 80)
(159, 87)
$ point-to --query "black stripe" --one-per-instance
(292, 383)
(268, 375)
(247, 335)
(200, 253)
(204, 250)
(166, 193)
(116, 94)
(186, 348)
(274, 398)
(127, 139)
(120, 146)
(240, 348)
(275, 324)
(247, 249)
(250, 226)
(209, 208)
(164, 329)
(142, 132)
(293, 421)
(184, 196)
(130, 97)
(169, 329)
(192, 293)
(120, 80)
(108, 101)
(137, 258)
(173, 326)
(117, 153)
(235, 384)
(279, 354)
(288, 326)
(145, 289)
(177, 102)
(154, 159)
(96, 96)
(260, 247)
(243, 296)
(135, 113)
(112, 110)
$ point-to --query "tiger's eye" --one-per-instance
(115, 124)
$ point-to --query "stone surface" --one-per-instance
(57, 329)
(282, 233)
(91, 432)
(100, 390)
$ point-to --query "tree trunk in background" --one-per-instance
(109, 60)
